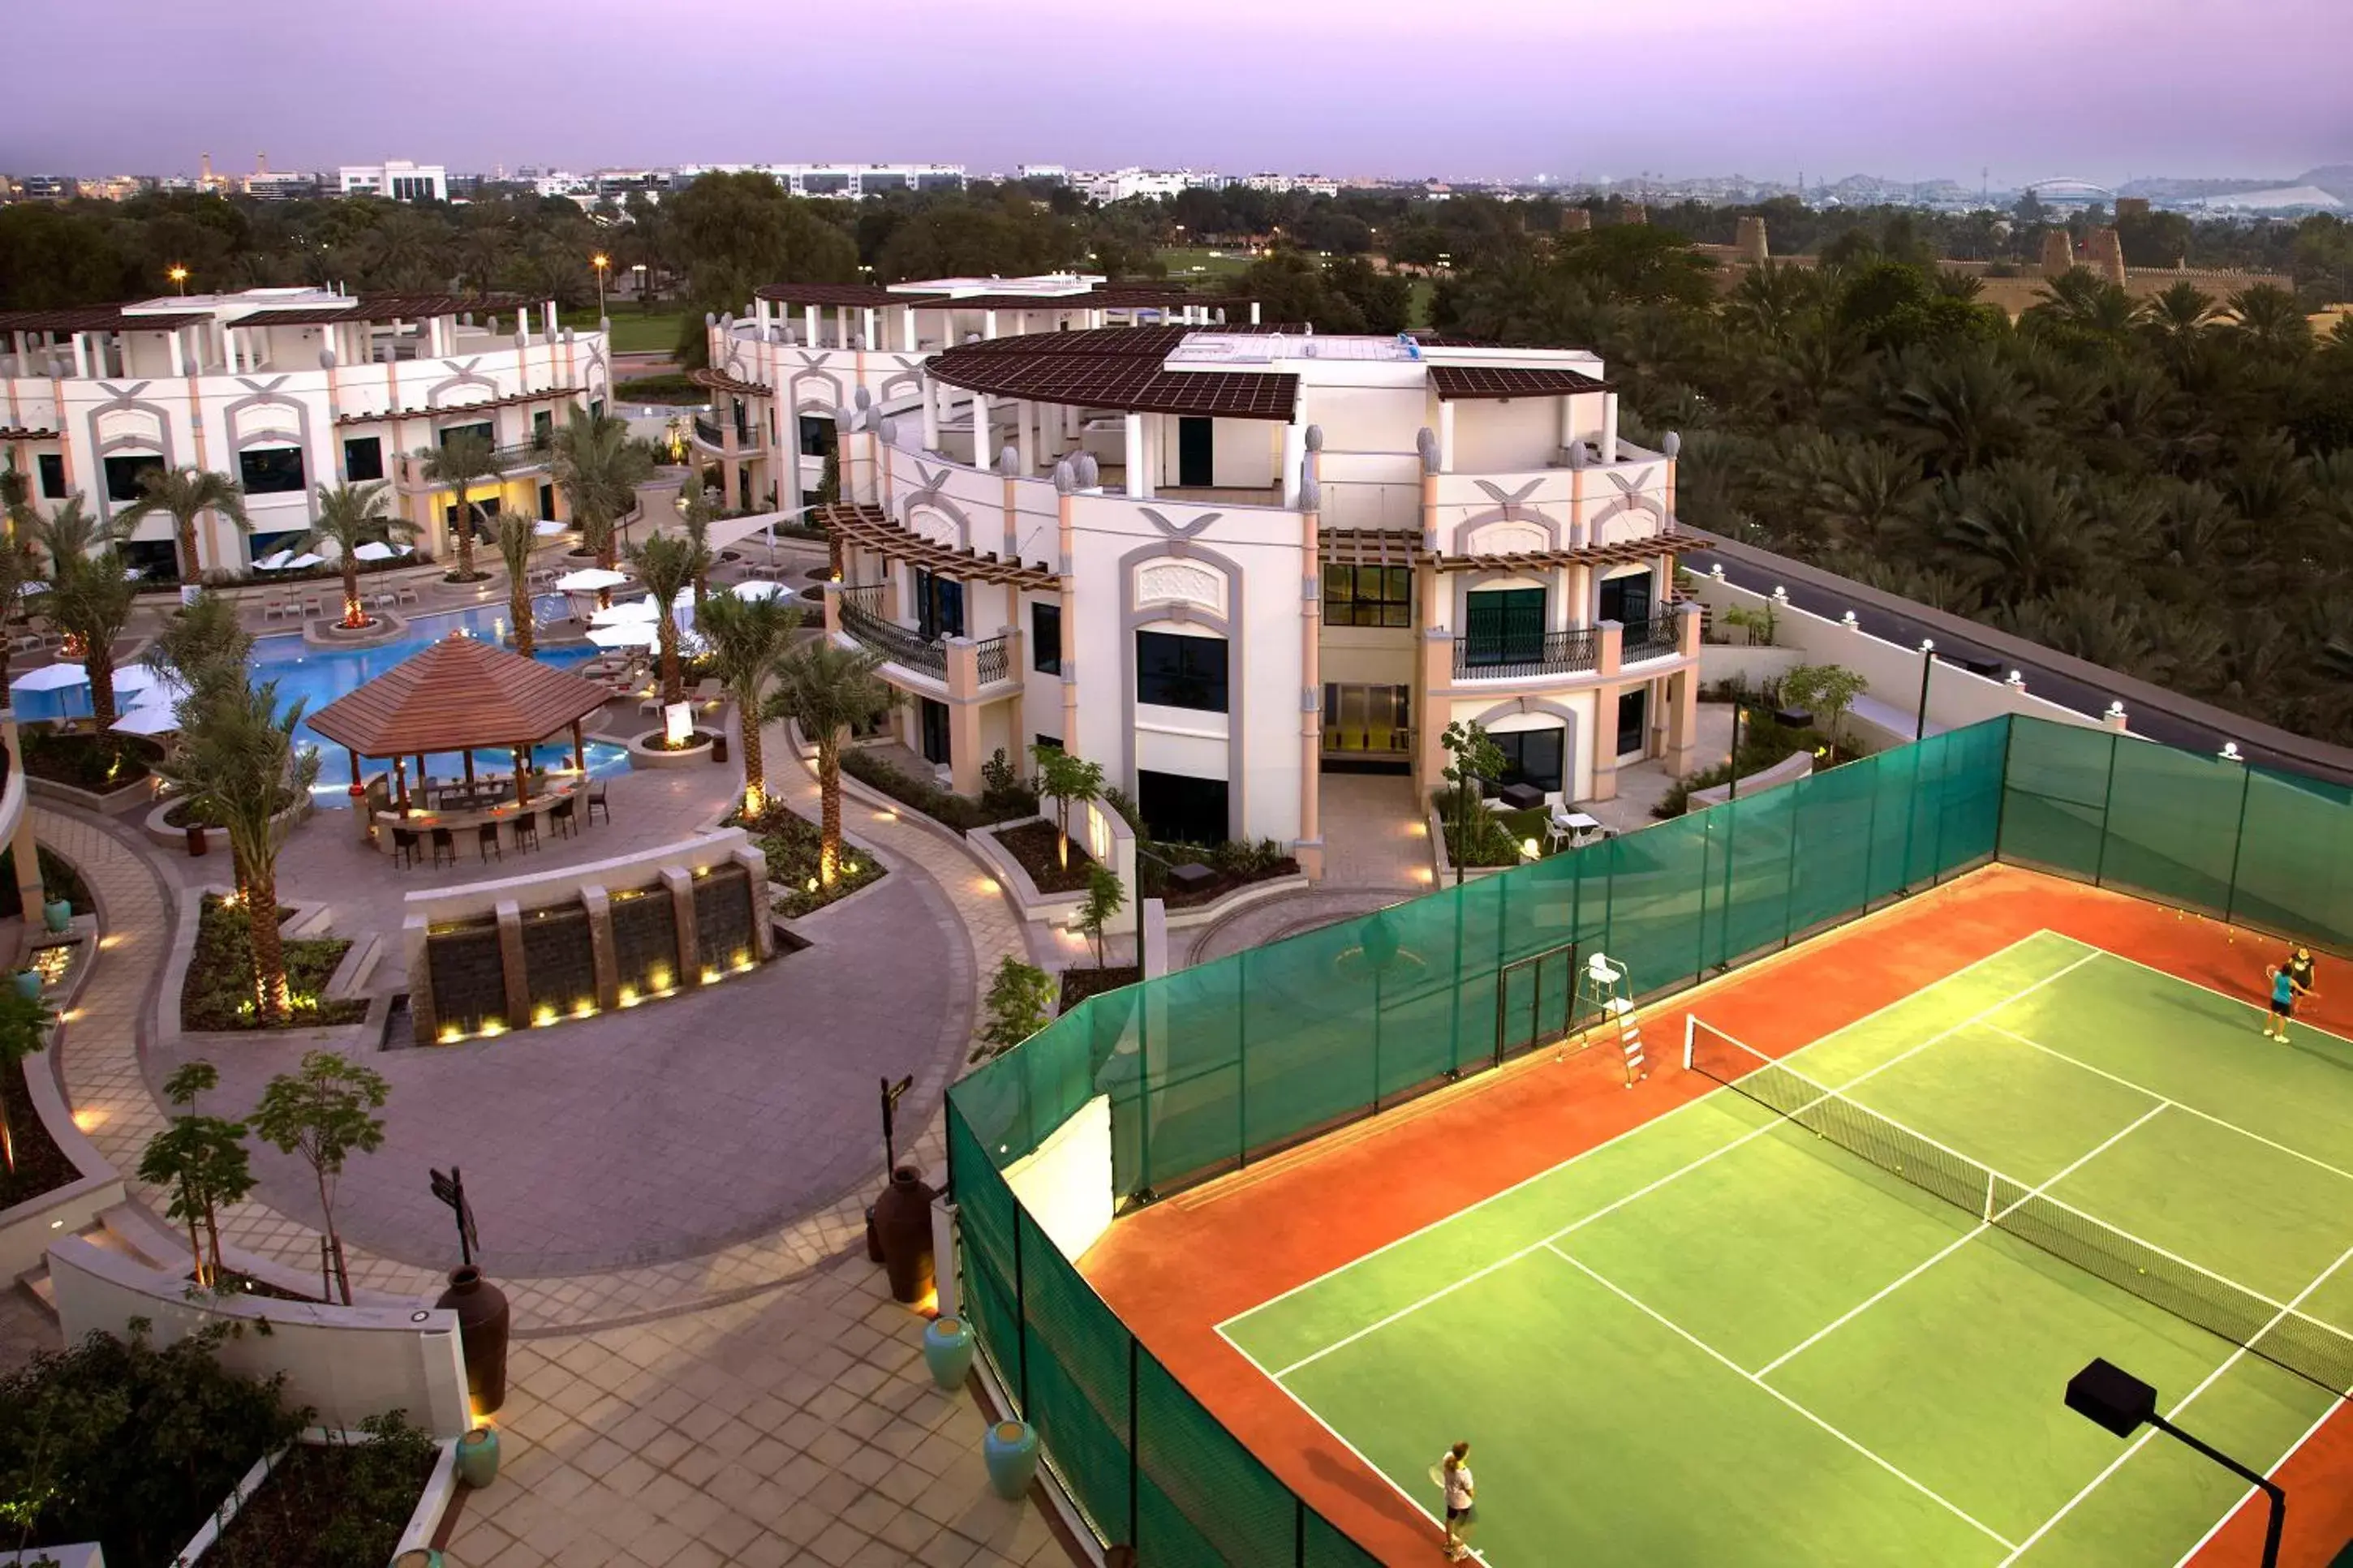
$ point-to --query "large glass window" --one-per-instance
(1368, 595)
(484, 429)
(52, 466)
(1503, 625)
(939, 605)
(1173, 671)
(818, 434)
(1627, 600)
(364, 458)
(1046, 638)
(1531, 757)
(1179, 809)
(270, 470)
(123, 473)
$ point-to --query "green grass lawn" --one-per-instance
(633, 331)
(1724, 1339)
(1187, 262)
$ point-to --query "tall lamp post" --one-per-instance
(1928, 667)
(2111, 1397)
(600, 261)
(1788, 718)
(179, 277)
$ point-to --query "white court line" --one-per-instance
(1677, 1329)
(1979, 1229)
(1637, 1127)
(1717, 1152)
(2177, 1105)
(1333, 1433)
(2175, 1414)
(2210, 990)
(2232, 1511)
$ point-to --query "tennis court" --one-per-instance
(1824, 1314)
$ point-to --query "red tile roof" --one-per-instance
(1463, 383)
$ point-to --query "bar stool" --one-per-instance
(561, 819)
(526, 833)
(443, 844)
(404, 847)
(486, 839)
(597, 801)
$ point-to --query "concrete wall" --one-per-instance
(346, 1363)
(1065, 1183)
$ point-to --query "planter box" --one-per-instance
(423, 1522)
(1444, 865)
(26, 1229)
(165, 835)
(80, 1554)
(122, 799)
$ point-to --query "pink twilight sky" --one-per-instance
(1904, 88)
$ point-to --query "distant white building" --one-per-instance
(1058, 173)
(1123, 185)
(1313, 184)
(396, 180)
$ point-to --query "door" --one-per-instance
(1504, 627)
(547, 503)
(1195, 453)
(933, 718)
(1633, 718)
(1626, 601)
(1533, 1000)
(939, 606)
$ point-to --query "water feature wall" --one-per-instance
(529, 952)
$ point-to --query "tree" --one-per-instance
(20, 568)
(185, 495)
(1477, 760)
(69, 534)
(237, 763)
(665, 564)
(24, 1029)
(348, 517)
(1106, 898)
(829, 691)
(461, 462)
(92, 602)
(1828, 690)
(516, 535)
(320, 1112)
(201, 1160)
(205, 646)
(698, 511)
(747, 637)
(1067, 781)
(600, 465)
(1020, 999)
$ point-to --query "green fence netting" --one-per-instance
(1213, 1067)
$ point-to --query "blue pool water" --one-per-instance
(318, 676)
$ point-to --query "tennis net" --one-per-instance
(2272, 1329)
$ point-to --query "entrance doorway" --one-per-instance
(1195, 453)
(1633, 719)
(932, 719)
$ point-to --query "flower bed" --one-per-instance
(1037, 847)
(1078, 984)
(327, 1505)
(218, 992)
(790, 841)
(98, 763)
(41, 1165)
(943, 806)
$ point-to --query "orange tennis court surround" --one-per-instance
(1178, 1269)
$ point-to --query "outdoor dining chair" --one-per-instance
(486, 839)
(526, 833)
(561, 817)
(444, 843)
(596, 801)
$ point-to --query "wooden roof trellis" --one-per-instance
(455, 695)
(868, 525)
(540, 394)
(1398, 547)
(720, 381)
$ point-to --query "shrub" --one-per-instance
(99, 763)
(791, 841)
(218, 993)
(675, 388)
(1018, 1000)
(1002, 789)
(333, 1503)
(944, 806)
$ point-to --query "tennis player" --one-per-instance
(1461, 1491)
(2283, 1002)
(2299, 967)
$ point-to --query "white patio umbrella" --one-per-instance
(758, 588)
(36, 586)
(376, 549)
(627, 612)
(50, 678)
(548, 528)
(148, 719)
(589, 580)
(639, 633)
(138, 677)
(274, 563)
(305, 559)
(167, 692)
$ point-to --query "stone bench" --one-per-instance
(1788, 770)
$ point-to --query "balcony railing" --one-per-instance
(526, 454)
(995, 656)
(1508, 658)
(1654, 638)
(861, 618)
(707, 431)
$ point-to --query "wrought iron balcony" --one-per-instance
(994, 660)
(1657, 637)
(1508, 656)
(861, 618)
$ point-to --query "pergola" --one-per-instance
(458, 694)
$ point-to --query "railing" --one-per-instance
(1657, 637)
(861, 618)
(995, 656)
(707, 431)
(526, 454)
(1506, 658)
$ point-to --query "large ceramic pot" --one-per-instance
(902, 1223)
(477, 1457)
(947, 1350)
(1010, 1451)
(28, 984)
(57, 914)
(483, 1316)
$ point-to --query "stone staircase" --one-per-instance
(124, 1229)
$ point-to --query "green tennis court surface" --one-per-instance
(1726, 1339)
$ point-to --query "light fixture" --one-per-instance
(2115, 1400)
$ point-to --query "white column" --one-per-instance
(1134, 457)
(1295, 451)
(809, 325)
(987, 324)
(931, 415)
(548, 320)
(866, 328)
(1254, 313)
(1446, 436)
(1025, 420)
(984, 451)
(1609, 427)
(1567, 422)
(841, 326)
(180, 350)
(906, 328)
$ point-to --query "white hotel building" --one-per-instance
(286, 389)
(1217, 558)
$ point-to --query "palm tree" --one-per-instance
(205, 646)
(351, 516)
(2087, 301)
(69, 534)
(92, 604)
(600, 465)
(665, 564)
(239, 763)
(1862, 491)
(461, 462)
(515, 535)
(2266, 317)
(187, 494)
(2178, 316)
(830, 692)
(2023, 526)
(698, 511)
(20, 568)
(1962, 409)
(16, 498)
(747, 637)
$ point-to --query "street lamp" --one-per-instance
(600, 261)
(2114, 1399)
(179, 275)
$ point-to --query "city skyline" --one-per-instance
(1830, 88)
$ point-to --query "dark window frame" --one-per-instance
(353, 468)
(272, 470)
(44, 465)
(1203, 819)
(1620, 589)
(488, 429)
(1046, 638)
(939, 605)
(1173, 670)
(1515, 746)
(126, 490)
(1388, 607)
(1515, 632)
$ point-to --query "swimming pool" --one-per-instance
(317, 676)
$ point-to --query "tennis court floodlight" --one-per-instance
(2114, 1399)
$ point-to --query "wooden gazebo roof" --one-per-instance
(458, 693)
